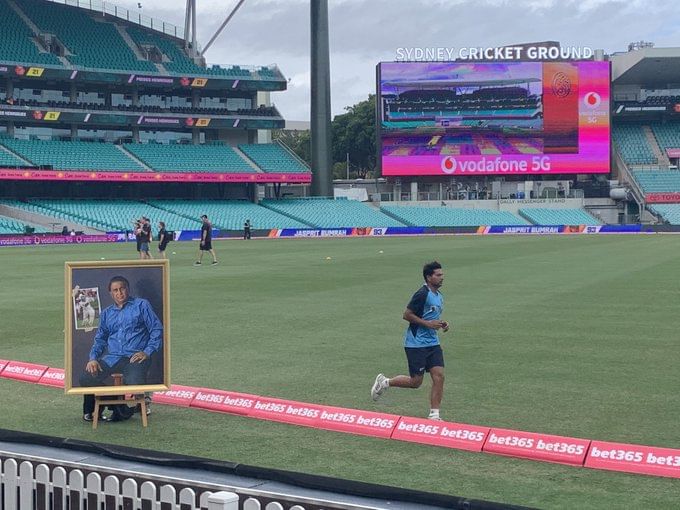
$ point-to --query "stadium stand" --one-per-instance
(450, 216)
(105, 215)
(16, 40)
(12, 226)
(215, 157)
(540, 216)
(658, 181)
(78, 32)
(178, 62)
(229, 214)
(73, 155)
(273, 158)
(669, 212)
(332, 213)
(667, 135)
(632, 144)
(7, 159)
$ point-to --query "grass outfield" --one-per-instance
(568, 335)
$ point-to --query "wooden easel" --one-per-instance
(121, 400)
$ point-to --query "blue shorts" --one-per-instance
(422, 359)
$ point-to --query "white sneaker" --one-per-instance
(379, 386)
(434, 418)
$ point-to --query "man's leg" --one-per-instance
(437, 391)
(87, 380)
(212, 252)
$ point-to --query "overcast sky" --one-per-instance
(365, 32)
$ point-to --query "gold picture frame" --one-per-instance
(149, 280)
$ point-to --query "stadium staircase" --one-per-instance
(9, 158)
(268, 204)
(134, 158)
(245, 158)
(42, 220)
(661, 156)
(135, 49)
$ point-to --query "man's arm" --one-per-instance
(154, 326)
(411, 317)
(101, 337)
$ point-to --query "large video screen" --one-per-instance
(450, 118)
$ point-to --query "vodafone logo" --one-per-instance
(592, 100)
(448, 165)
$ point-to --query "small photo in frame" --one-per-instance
(117, 321)
(86, 307)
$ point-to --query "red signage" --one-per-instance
(23, 371)
(633, 458)
(79, 175)
(441, 433)
(673, 153)
(224, 401)
(53, 377)
(3, 362)
(365, 423)
(662, 198)
(287, 411)
(177, 395)
(528, 445)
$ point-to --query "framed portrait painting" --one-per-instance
(117, 327)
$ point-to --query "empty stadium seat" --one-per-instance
(633, 145)
(658, 181)
(190, 158)
(450, 216)
(73, 155)
(540, 216)
(332, 213)
(669, 212)
(16, 40)
(79, 33)
(273, 158)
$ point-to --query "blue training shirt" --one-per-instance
(428, 306)
(127, 330)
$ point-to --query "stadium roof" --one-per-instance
(453, 83)
(647, 67)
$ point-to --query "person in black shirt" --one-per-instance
(145, 239)
(206, 241)
(246, 230)
(163, 239)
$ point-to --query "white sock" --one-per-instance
(434, 413)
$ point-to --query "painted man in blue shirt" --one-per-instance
(129, 333)
(421, 341)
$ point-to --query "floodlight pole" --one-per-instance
(224, 24)
(190, 28)
(320, 100)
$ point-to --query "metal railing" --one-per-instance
(32, 483)
(107, 8)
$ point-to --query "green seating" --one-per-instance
(658, 181)
(15, 40)
(190, 158)
(332, 213)
(669, 212)
(633, 145)
(229, 214)
(82, 35)
(9, 160)
(12, 226)
(73, 155)
(540, 216)
(450, 216)
(273, 158)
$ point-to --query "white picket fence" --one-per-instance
(28, 486)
